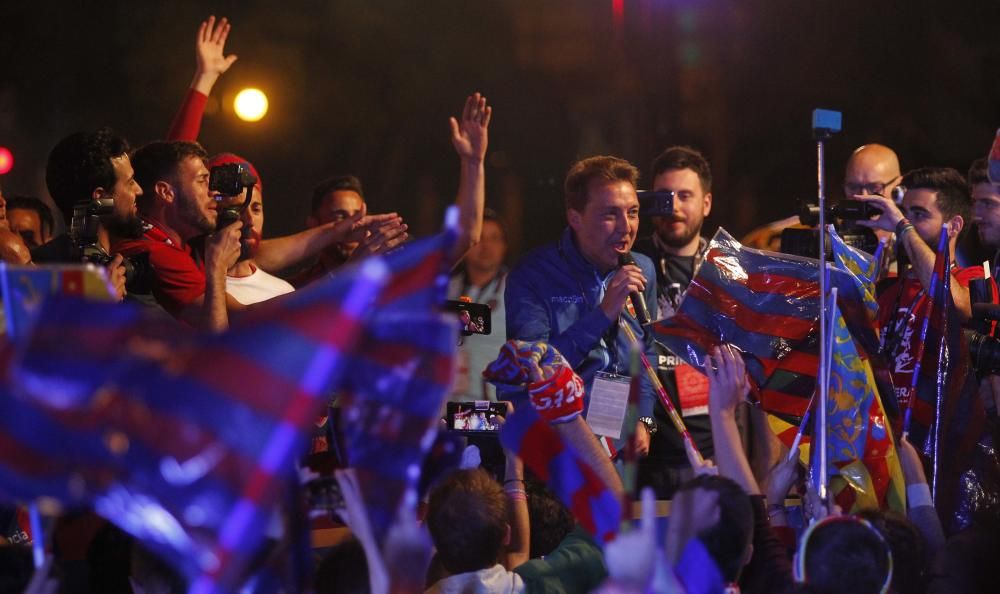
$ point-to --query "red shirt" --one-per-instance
(178, 278)
(901, 311)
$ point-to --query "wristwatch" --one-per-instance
(650, 424)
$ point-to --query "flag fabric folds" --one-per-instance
(554, 461)
(188, 440)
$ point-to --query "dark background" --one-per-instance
(367, 87)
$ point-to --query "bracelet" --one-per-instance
(901, 233)
(514, 481)
(516, 494)
(902, 225)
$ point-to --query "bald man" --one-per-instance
(873, 169)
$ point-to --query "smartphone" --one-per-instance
(476, 318)
(477, 416)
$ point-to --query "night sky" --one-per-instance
(366, 87)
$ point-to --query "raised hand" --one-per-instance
(727, 378)
(469, 135)
(209, 47)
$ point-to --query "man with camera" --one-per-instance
(573, 293)
(177, 208)
(677, 248)
(90, 177)
(934, 197)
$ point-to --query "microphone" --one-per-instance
(638, 301)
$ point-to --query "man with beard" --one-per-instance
(246, 282)
(176, 208)
(677, 248)
(91, 167)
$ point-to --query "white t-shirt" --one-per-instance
(259, 286)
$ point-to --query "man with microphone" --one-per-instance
(575, 292)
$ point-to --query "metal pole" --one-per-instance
(824, 362)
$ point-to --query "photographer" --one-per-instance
(935, 196)
(177, 208)
(92, 171)
(677, 248)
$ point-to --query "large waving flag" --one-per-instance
(187, 440)
(765, 303)
(562, 468)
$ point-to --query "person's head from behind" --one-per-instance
(487, 256)
(602, 208)
(30, 218)
(685, 172)
(906, 545)
(343, 570)
(844, 555)
(936, 196)
(871, 169)
(148, 574)
(333, 200)
(467, 519)
(551, 521)
(174, 181)
(253, 215)
(721, 517)
(92, 166)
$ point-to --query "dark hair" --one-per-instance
(343, 570)
(907, 547)
(952, 192)
(158, 161)
(684, 157)
(846, 542)
(979, 172)
(16, 568)
(81, 163)
(153, 574)
(332, 184)
(35, 204)
(585, 171)
(467, 519)
(728, 540)
(550, 520)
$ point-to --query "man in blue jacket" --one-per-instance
(573, 293)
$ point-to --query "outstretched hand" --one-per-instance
(469, 135)
(727, 378)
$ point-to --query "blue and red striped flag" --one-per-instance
(947, 418)
(187, 440)
(554, 461)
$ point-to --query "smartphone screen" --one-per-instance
(479, 416)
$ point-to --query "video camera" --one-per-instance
(802, 242)
(83, 232)
(228, 181)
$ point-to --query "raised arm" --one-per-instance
(469, 137)
(280, 253)
(212, 63)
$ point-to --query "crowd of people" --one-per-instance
(150, 218)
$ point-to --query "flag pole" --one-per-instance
(824, 361)
(931, 291)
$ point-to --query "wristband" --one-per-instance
(918, 495)
(560, 398)
(513, 481)
(902, 226)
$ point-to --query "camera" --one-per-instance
(478, 416)
(83, 232)
(656, 204)
(229, 180)
(803, 242)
